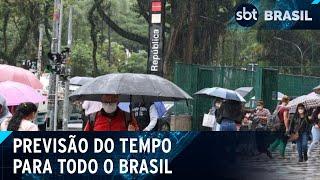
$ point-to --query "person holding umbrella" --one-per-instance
(230, 114)
(4, 111)
(110, 117)
(230, 110)
(300, 125)
(215, 111)
(111, 89)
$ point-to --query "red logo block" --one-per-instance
(156, 6)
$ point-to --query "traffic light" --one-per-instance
(58, 62)
(30, 64)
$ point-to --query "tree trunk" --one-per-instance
(191, 29)
(93, 35)
(175, 30)
(6, 18)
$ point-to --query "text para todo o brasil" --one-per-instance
(91, 166)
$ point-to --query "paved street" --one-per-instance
(264, 168)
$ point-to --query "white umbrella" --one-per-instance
(244, 91)
(279, 97)
(317, 89)
(221, 93)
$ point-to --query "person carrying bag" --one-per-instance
(299, 131)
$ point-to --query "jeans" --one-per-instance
(228, 125)
(302, 144)
(315, 138)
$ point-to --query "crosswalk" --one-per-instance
(287, 168)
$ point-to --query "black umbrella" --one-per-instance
(131, 88)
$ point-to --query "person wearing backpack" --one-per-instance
(282, 113)
(111, 117)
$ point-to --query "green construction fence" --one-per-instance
(193, 78)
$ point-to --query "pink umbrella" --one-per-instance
(16, 93)
(16, 74)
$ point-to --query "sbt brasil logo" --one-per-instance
(247, 15)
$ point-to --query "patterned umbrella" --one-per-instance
(311, 100)
(16, 74)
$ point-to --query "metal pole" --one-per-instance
(39, 63)
(60, 26)
(301, 56)
(54, 49)
(109, 46)
(66, 89)
(55, 121)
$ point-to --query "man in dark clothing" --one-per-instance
(146, 116)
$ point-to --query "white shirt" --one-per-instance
(26, 125)
(153, 113)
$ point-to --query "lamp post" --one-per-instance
(302, 54)
(300, 51)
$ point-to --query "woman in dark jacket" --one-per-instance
(230, 114)
(301, 124)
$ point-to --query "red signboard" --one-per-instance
(156, 6)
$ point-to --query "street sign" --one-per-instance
(156, 37)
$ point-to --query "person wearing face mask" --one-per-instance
(315, 131)
(215, 111)
(300, 124)
(110, 117)
(22, 119)
(261, 115)
(246, 123)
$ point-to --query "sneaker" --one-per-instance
(309, 154)
(300, 160)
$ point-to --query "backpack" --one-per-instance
(274, 121)
(92, 119)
